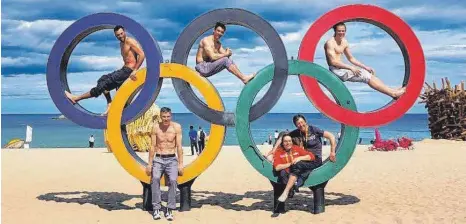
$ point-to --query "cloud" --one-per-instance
(99, 62)
(448, 12)
(28, 38)
(37, 35)
(28, 59)
(285, 25)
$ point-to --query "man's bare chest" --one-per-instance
(168, 135)
(125, 49)
(339, 48)
(215, 47)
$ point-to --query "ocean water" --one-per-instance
(49, 133)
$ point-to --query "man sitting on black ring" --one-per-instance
(211, 57)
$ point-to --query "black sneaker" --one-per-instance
(169, 214)
(156, 215)
(291, 194)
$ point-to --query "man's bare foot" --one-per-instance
(248, 78)
(106, 111)
(399, 92)
(71, 97)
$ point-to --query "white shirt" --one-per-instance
(91, 139)
(276, 134)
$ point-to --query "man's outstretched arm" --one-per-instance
(140, 53)
(139, 59)
(179, 148)
(152, 150)
(353, 60)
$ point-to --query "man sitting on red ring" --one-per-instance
(293, 163)
(338, 45)
(212, 58)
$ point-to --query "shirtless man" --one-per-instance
(166, 141)
(211, 57)
(338, 45)
(133, 57)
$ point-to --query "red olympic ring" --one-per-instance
(405, 38)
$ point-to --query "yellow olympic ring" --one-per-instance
(115, 140)
(106, 141)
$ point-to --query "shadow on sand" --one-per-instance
(262, 200)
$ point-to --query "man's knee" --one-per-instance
(172, 181)
(155, 179)
(227, 62)
(103, 85)
(364, 77)
(97, 91)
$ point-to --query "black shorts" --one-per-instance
(111, 81)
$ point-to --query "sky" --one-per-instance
(27, 38)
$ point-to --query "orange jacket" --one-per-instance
(283, 157)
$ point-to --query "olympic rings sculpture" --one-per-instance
(310, 74)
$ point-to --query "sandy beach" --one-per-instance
(425, 185)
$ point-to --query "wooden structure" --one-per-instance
(139, 131)
(447, 110)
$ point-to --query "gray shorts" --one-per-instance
(348, 75)
(207, 69)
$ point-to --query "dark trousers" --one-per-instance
(91, 144)
(111, 81)
(302, 169)
(201, 145)
(194, 145)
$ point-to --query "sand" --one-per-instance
(425, 185)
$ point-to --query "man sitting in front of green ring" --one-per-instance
(293, 163)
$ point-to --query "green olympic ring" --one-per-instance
(349, 137)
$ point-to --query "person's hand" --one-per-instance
(180, 169)
(296, 160)
(149, 169)
(269, 158)
(371, 70)
(356, 71)
(228, 52)
(133, 76)
(332, 157)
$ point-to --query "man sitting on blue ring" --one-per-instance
(133, 57)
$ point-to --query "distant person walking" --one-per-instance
(91, 141)
(201, 139)
(193, 140)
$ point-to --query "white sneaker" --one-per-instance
(283, 197)
(157, 215)
(169, 215)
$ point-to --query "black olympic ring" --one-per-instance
(237, 17)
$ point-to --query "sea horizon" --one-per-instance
(63, 133)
